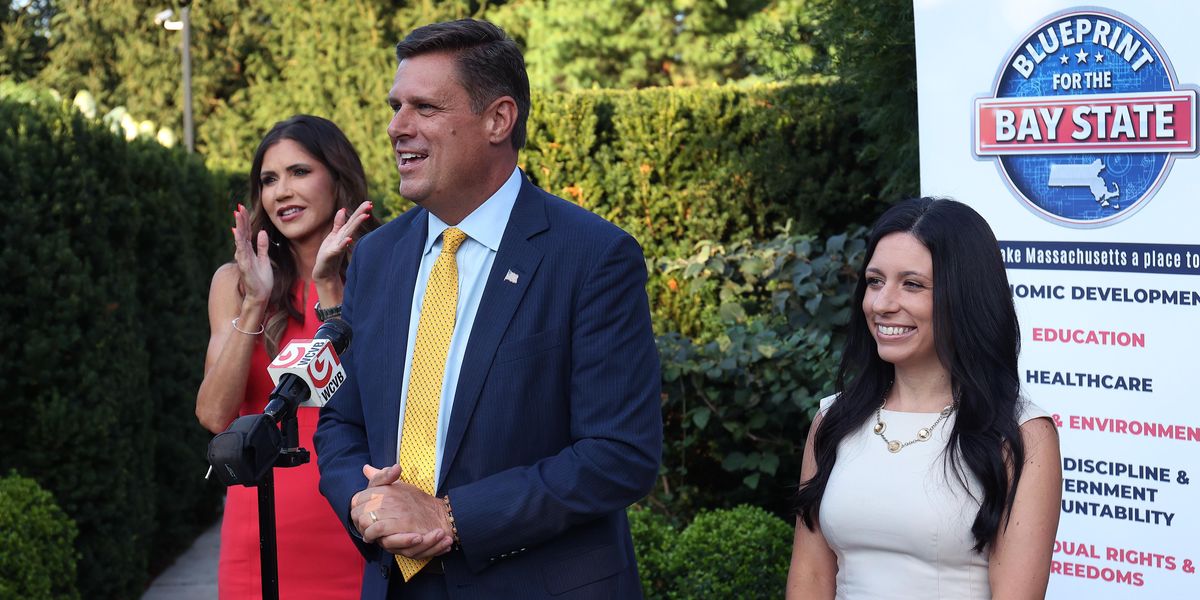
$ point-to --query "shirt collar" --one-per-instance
(485, 224)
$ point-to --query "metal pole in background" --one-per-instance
(188, 136)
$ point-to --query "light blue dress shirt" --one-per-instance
(484, 228)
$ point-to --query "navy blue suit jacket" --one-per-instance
(556, 426)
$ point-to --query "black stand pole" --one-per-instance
(266, 537)
(249, 451)
(290, 456)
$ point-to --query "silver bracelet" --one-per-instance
(261, 328)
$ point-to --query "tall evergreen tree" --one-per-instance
(253, 63)
(873, 53)
(24, 38)
(642, 43)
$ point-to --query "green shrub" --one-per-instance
(753, 152)
(675, 167)
(738, 553)
(741, 553)
(653, 537)
(38, 539)
(736, 408)
(107, 249)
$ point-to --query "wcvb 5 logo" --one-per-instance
(1085, 118)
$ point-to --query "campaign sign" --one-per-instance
(316, 363)
(1076, 140)
(1085, 118)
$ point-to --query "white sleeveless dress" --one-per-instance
(900, 524)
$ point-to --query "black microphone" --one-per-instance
(247, 451)
(307, 369)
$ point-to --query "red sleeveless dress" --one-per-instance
(316, 557)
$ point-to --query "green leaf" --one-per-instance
(751, 481)
(734, 461)
(835, 243)
(732, 311)
(752, 460)
(754, 267)
(769, 463)
(700, 417)
(812, 304)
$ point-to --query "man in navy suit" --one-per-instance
(549, 423)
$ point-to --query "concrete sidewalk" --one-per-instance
(194, 574)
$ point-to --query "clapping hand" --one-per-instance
(251, 258)
(338, 241)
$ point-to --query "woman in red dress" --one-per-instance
(309, 197)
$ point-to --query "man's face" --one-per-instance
(440, 143)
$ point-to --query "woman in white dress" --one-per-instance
(927, 475)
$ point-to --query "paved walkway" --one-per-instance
(194, 574)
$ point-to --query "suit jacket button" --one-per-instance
(383, 571)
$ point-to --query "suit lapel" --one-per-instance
(501, 296)
(405, 261)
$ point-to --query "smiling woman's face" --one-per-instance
(898, 304)
(297, 191)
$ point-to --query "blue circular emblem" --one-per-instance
(1085, 118)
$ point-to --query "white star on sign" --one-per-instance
(1081, 56)
(1063, 59)
(1099, 57)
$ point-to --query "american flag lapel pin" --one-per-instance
(510, 277)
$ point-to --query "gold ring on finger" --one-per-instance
(374, 517)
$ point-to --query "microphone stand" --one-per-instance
(279, 410)
(249, 451)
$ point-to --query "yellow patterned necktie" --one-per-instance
(418, 436)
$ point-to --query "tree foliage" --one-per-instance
(254, 63)
(24, 38)
(642, 43)
(108, 247)
(872, 51)
(736, 406)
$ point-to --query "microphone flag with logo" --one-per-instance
(315, 362)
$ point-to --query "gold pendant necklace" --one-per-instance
(923, 434)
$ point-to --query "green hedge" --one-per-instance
(107, 249)
(736, 409)
(676, 166)
(741, 553)
(37, 538)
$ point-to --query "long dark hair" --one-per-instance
(977, 339)
(322, 140)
